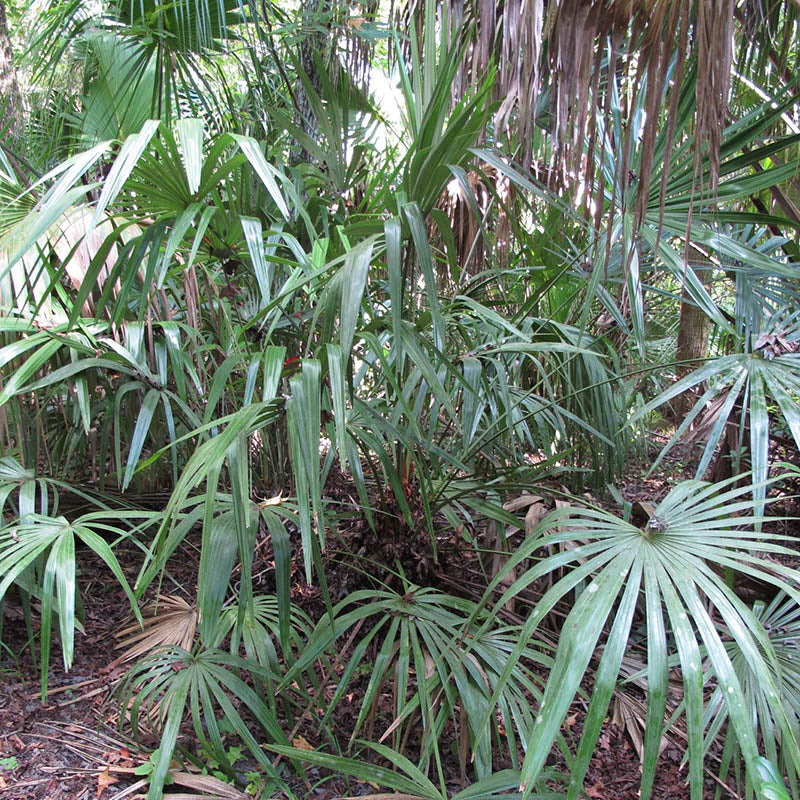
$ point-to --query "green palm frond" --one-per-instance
(38, 553)
(746, 390)
(667, 573)
(780, 620)
(455, 667)
(409, 782)
(158, 689)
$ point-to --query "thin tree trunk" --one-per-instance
(10, 98)
(692, 332)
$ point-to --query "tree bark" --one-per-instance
(10, 98)
(692, 332)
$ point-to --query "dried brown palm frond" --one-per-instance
(714, 38)
(169, 621)
(629, 711)
(567, 50)
(475, 230)
(206, 787)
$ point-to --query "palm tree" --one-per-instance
(206, 312)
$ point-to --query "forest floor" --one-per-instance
(71, 748)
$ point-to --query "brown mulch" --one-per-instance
(68, 748)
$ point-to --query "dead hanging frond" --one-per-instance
(714, 53)
(568, 66)
(554, 60)
(520, 45)
(713, 34)
(477, 209)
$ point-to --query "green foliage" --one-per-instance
(753, 385)
(671, 561)
(38, 553)
(457, 664)
(409, 780)
(407, 318)
(780, 620)
(161, 688)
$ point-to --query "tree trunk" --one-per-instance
(10, 99)
(692, 332)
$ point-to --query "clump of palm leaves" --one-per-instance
(187, 307)
(39, 553)
(671, 574)
(439, 668)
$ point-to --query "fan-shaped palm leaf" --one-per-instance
(698, 528)
(766, 375)
(158, 689)
(38, 552)
(781, 622)
(423, 633)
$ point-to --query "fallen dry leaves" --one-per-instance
(104, 780)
